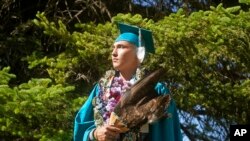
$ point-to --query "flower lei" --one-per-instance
(112, 87)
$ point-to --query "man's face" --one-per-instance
(124, 56)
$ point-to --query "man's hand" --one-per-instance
(107, 133)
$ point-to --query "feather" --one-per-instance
(141, 104)
(144, 88)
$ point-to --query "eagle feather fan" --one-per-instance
(140, 104)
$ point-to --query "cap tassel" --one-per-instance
(141, 49)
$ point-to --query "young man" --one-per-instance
(92, 120)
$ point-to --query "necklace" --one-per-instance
(111, 87)
(110, 96)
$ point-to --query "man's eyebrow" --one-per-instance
(120, 45)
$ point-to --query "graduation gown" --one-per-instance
(167, 129)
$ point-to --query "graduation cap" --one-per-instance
(138, 36)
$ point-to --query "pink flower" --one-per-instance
(107, 103)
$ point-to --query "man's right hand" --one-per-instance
(107, 133)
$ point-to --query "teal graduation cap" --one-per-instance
(137, 36)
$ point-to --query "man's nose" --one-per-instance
(114, 52)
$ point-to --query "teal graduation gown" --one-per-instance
(167, 129)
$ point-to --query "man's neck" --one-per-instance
(127, 75)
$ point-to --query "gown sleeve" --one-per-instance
(167, 129)
(84, 120)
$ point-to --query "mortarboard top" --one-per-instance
(131, 34)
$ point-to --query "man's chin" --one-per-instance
(116, 67)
